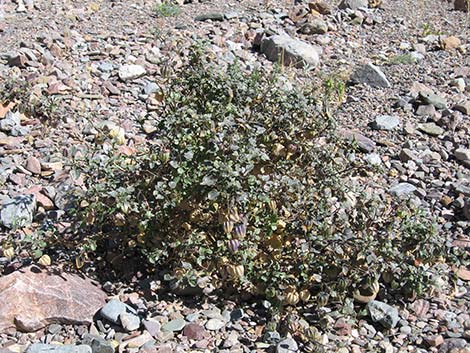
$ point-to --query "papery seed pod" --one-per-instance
(234, 216)
(228, 227)
(272, 205)
(292, 297)
(236, 271)
(119, 219)
(186, 226)
(278, 149)
(322, 299)
(240, 231)
(45, 260)
(307, 226)
(164, 156)
(281, 225)
(304, 295)
(9, 253)
(292, 148)
(233, 245)
(178, 273)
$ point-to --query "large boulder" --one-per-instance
(290, 52)
(33, 298)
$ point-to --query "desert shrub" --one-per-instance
(245, 185)
(167, 9)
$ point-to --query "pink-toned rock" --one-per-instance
(41, 199)
(33, 298)
(33, 165)
(194, 332)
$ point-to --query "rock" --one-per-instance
(434, 341)
(215, 324)
(364, 143)
(353, 4)
(386, 122)
(289, 51)
(373, 159)
(425, 110)
(322, 7)
(314, 26)
(131, 72)
(452, 344)
(237, 314)
(431, 98)
(462, 154)
(194, 332)
(174, 325)
(151, 87)
(32, 299)
(18, 212)
(383, 313)
(113, 309)
(431, 129)
(231, 340)
(402, 189)
(10, 121)
(461, 5)
(210, 16)
(287, 345)
(153, 327)
(56, 348)
(139, 341)
(464, 107)
(129, 322)
(408, 155)
(371, 75)
(448, 43)
(97, 344)
(272, 337)
(33, 165)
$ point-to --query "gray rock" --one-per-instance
(10, 121)
(272, 337)
(289, 51)
(462, 154)
(464, 107)
(452, 344)
(131, 72)
(215, 324)
(150, 87)
(113, 309)
(152, 326)
(386, 122)
(129, 322)
(97, 343)
(287, 345)
(431, 129)
(364, 143)
(210, 16)
(237, 314)
(174, 325)
(371, 75)
(431, 98)
(106, 67)
(54, 348)
(402, 189)
(408, 155)
(425, 110)
(373, 159)
(383, 313)
(315, 26)
(353, 4)
(18, 212)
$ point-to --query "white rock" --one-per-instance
(462, 154)
(131, 72)
(290, 52)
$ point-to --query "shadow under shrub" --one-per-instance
(245, 185)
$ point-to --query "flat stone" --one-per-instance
(272, 337)
(33, 299)
(18, 212)
(386, 122)
(452, 345)
(97, 343)
(194, 332)
(434, 341)
(425, 110)
(462, 154)
(215, 324)
(287, 345)
(461, 5)
(129, 322)
(431, 129)
(113, 309)
(152, 326)
(290, 52)
(139, 341)
(383, 313)
(131, 72)
(33, 165)
(315, 26)
(174, 325)
(464, 107)
(353, 4)
(431, 98)
(56, 348)
(402, 189)
(364, 143)
(371, 75)
(210, 16)
(237, 314)
(408, 155)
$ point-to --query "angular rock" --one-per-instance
(386, 122)
(152, 326)
(287, 345)
(452, 345)
(431, 129)
(272, 337)
(402, 189)
(33, 299)
(314, 26)
(131, 72)
(364, 143)
(371, 75)
(18, 212)
(462, 154)
(431, 98)
(113, 309)
(129, 322)
(435, 340)
(33, 165)
(56, 348)
(383, 313)
(215, 324)
(174, 325)
(97, 343)
(451, 42)
(464, 107)
(290, 52)
(353, 4)
(210, 16)
(194, 332)
(461, 5)
(139, 341)
(425, 110)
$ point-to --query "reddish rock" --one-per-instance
(434, 341)
(33, 165)
(41, 199)
(33, 298)
(194, 332)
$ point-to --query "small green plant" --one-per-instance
(402, 59)
(246, 186)
(167, 9)
(428, 29)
